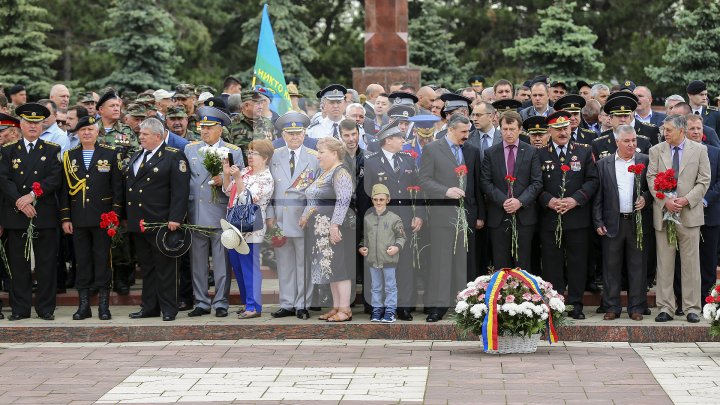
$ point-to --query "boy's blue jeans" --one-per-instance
(386, 277)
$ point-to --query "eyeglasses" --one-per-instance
(252, 153)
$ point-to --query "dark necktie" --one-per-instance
(676, 161)
(697, 112)
(335, 131)
(485, 142)
(31, 147)
(562, 154)
(396, 163)
(456, 152)
(145, 157)
(511, 160)
(292, 163)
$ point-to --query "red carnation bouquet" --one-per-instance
(710, 310)
(558, 227)
(513, 219)
(637, 171)
(111, 222)
(665, 186)
(30, 233)
(461, 224)
(275, 237)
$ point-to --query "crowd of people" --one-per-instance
(405, 193)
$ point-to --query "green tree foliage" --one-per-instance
(433, 49)
(143, 44)
(695, 55)
(24, 56)
(561, 48)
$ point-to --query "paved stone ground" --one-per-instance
(356, 372)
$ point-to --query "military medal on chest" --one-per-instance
(103, 166)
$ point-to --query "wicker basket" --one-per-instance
(516, 344)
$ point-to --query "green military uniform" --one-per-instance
(243, 130)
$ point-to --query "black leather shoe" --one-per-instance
(577, 314)
(303, 314)
(282, 313)
(47, 317)
(404, 315)
(693, 318)
(143, 314)
(316, 309)
(16, 317)
(663, 317)
(679, 312)
(199, 312)
(2, 316)
(221, 312)
(647, 311)
(593, 288)
(168, 318)
(184, 306)
(600, 310)
(433, 317)
(122, 289)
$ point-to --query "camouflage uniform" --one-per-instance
(243, 130)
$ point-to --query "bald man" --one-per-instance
(61, 96)
(426, 95)
(371, 94)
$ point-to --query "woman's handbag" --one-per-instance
(246, 217)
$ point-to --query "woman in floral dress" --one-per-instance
(255, 177)
(330, 228)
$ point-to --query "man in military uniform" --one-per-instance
(536, 131)
(455, 104)
(116, 134)
(397, 171)
(24, 163)
(135, 113)
(185, 97)
(156, 191)
(401, 114)
(698, 100)
(477, 83)
(176, 120)
(566, 196)
(573, 104)
(92, 187)
(423, 133)
(332, 103)
(249, 123)
(620, 106)
(89, 101)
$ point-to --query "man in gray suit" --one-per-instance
(293, 167)
(485, 134)
(204, 209)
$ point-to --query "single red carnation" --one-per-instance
(510, 178)
(37, 189)
(565, 168)
(461, 170)
(142, 225)
(111, 232)
(709, 299)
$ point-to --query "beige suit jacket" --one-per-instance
(693, 180)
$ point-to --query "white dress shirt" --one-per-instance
(389, 156)
(626, 183)
(324, 128)
(138, 161)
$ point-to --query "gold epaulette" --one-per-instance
(643, 136)
(600, 137)
(106, 146)
(231, 146)
(584, 145)
(711, 108)
(311, 151)
(51, 143)
(171, 149)
(650, 124)
(194, 142)
(10, 144)
(589, 131)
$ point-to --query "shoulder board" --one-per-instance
(643, 136)
(195, 142)
(711, 108)
(171, 149)
(311, 151)
(649, 124)
(78, 146)
(51, 143)
(10, 144)
(369, 155)
(582, 145)
(589, 131)
(230, 146)
(313, 124)
(600, 137)
(102, 145)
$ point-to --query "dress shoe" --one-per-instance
(679, 312)
(693, 318)
(121, 288)
(199, 312)
(316, 309)
(303, 314)
(47, 317)
(221, 312)
(577, 314)
(282, 313)
(16, 317)
(593, 288)
(143, 314)
(184, 306)
(168, 318)
(600, 310)
(2, 316)
(404, 315)
(663, 317)
(636, 317)
(433, 317)
(647, 312)
(610, 316)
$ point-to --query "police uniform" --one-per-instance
(87, 193)
(423, 133)
(19, 169)
(326, 127)
(710, 115)
(453, 102)
(605, 145)
(581, 183)
(158, 192)
(243, 130)
(574, 103)
(397, 175)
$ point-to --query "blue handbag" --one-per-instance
(246, 217)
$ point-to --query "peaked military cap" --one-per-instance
(402, 98)
(389, 130)
(292, 121)
(535, 125)
(332, 92)
(86, 121)
(86, 98)
(32, 112)
(570, 102)
(623, 93)
(476, 80)
(620, 105)
(210, 116)
(216, 102)
(402, 112)
(8, 121)
(627, 85)
(110, 95)
(558, 119)
(184, 90)
(540, 79)
(506, 105)
(454, 101)
(424, 120)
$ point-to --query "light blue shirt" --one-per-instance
(680, 151)
(55, 135)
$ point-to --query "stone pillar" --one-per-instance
(386, 46)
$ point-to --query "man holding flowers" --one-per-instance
(569, 180)
(678, 213)
(207, 204)
(617, 211)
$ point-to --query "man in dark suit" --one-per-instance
(566, 197)
(24, 163)
(614, 209)
(644, 112)
(444, 188)
(520, 160)
(620, 107)
(698, 100)
(696, 125)
(92, 187)
(157, 186)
